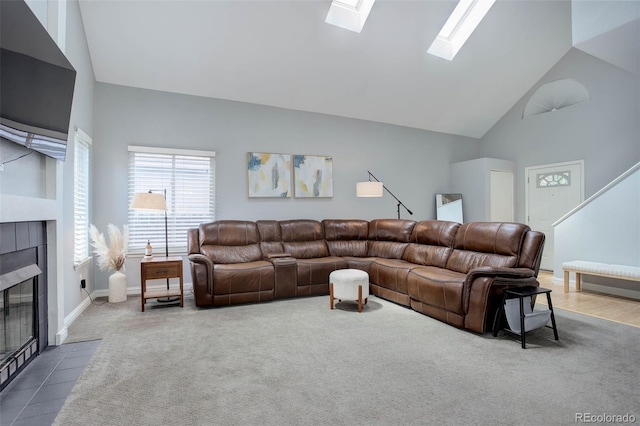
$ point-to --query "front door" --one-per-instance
(552, 191)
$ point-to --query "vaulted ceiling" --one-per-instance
(283, 54)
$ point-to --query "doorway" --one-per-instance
(551, 191)
(501, 196)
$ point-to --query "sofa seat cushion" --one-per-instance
(391, 274)
(248, 277)
(437, 287)
(316, 271)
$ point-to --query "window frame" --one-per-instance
(183, 180)
(81, 197)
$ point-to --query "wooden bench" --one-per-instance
(622, 272)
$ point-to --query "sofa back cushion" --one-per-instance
(230, 241)
(346, 237)
(303, 239)
(270, 237)
(492, 244)
(193, 241)
(389, 238)
(431, 243)
(531, 253)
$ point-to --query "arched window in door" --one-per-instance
(555, 179)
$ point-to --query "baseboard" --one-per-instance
(135, 291)
(61, 335)
(614, 291)
(102, 293)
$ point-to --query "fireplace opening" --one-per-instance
(18, 327)
(23, 296)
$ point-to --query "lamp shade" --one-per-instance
(369, 189)
(148, 201)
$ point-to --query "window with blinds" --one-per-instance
(188, 180)
(82, 145)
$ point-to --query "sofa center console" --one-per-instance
(285, 268)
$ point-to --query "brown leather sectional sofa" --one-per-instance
(452, 272)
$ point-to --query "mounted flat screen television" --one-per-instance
(36, 83)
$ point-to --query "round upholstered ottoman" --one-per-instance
(349, 284)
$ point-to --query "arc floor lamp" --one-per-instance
(376, 189)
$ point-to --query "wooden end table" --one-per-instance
(156, 268)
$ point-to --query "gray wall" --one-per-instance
(413, 164)
(472, 179)
(604, 131)
(77, 52)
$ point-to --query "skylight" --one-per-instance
(461, 24)
(349, 14)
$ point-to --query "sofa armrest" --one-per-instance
(506, 273)
(483, 290)
(200, 259)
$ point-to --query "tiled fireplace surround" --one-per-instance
(23, 244)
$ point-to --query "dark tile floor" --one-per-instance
(36, 396)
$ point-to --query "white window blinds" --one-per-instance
(82, 144)
(188, 177)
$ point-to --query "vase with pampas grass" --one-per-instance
(111, 256)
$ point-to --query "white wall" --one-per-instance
(605, 229)
(413, 164)
(604, 132)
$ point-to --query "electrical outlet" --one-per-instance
(83, 283)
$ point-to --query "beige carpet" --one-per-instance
(296, 362)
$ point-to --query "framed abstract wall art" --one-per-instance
(269, 175)
(313, 176)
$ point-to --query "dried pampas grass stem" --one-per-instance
(112, 255)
